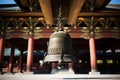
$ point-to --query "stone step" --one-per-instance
(64, 71)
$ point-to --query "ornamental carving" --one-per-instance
(37, 35)
(66, 29)
(8, 33)
(37, 31)
(116, 35)
(93, 31)
(31, 32)
(115, 29)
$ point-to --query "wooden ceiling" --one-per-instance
(70, 8)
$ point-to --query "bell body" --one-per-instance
(59, 48)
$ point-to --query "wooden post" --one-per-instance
(30, 53)
(21, 62)
(11, 61)
(1, 52)
(92, 54)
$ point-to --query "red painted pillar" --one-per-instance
(21, 62)
(11, 61)
(1, 52)
(92, 54)
(30, 53)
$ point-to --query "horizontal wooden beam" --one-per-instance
(99, 14)
(20, 14)
(47, 10)
(75, 33)
(75, 8)
(39, 14)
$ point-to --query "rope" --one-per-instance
(60, 27)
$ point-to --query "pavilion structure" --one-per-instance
(94, 28)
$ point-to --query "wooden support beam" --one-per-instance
(20, 14)
(47, 10)
(100, 14)
(75, 8)
(40, 14)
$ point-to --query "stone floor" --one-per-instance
(58, 77)
(63, 74)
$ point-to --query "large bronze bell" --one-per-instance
(60, 48)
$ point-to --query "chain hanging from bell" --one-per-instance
(60, 44)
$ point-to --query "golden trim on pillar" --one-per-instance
(25, 34)
(37, 34)
(32, 32)
(94, 31)
(8, 32)
(66, 29)
(116, 32)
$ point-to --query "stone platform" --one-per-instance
(59, 77)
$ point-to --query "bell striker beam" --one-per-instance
(75, 8)
(1, 52)
(47, 11)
